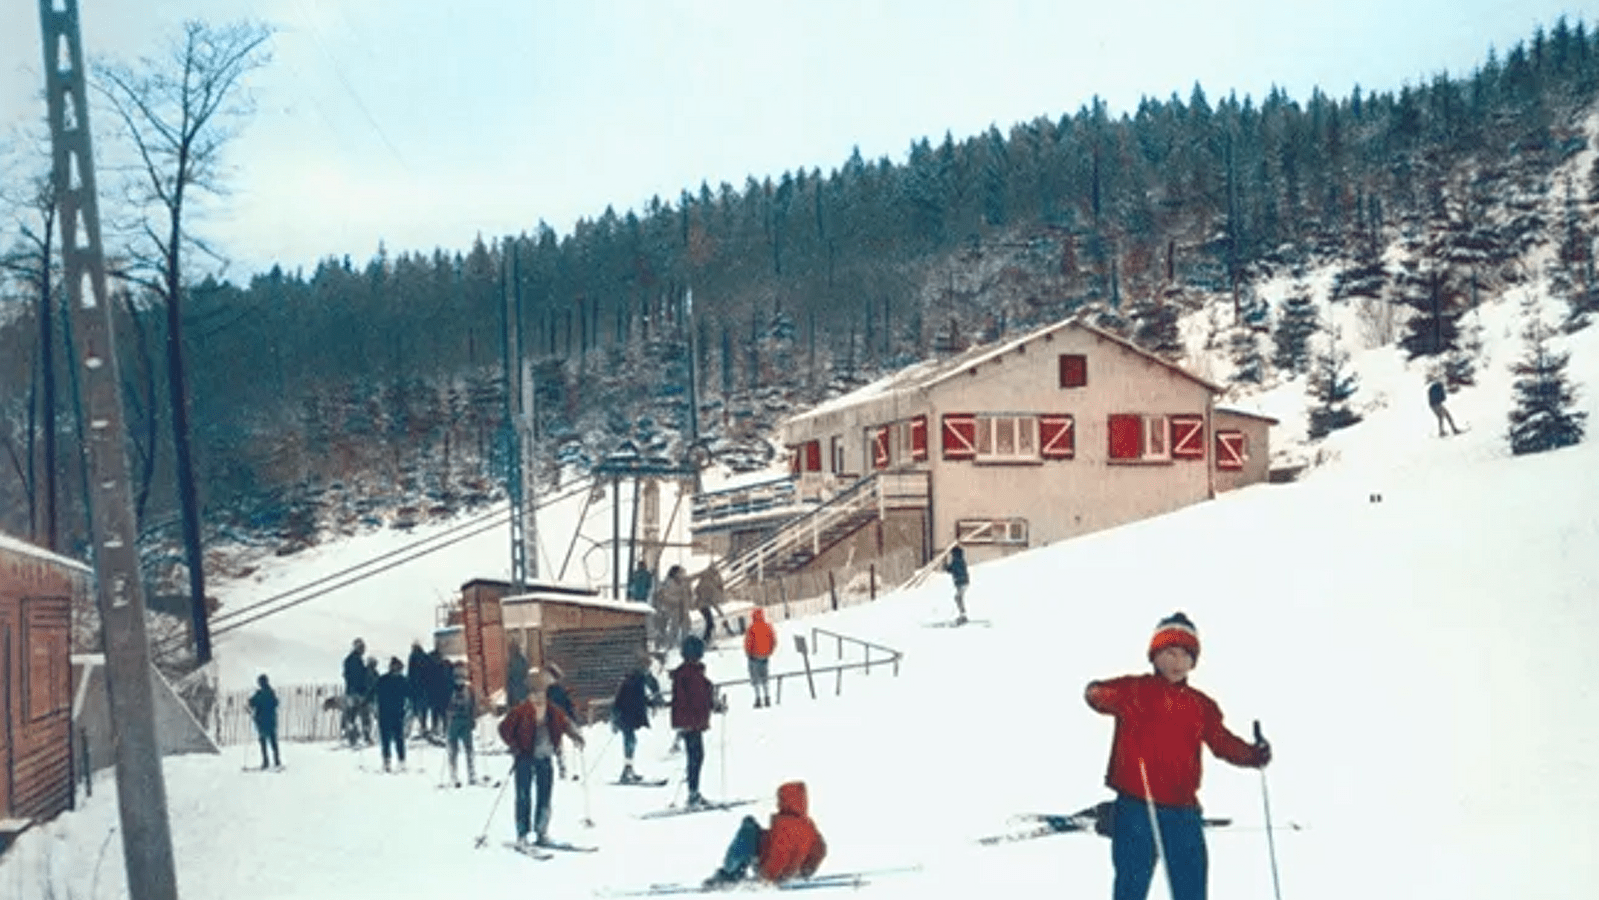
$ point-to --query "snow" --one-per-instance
(1420, 664)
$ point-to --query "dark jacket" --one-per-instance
(638, 692)
(956, 567)
(1436, 393)
(416, 672)
(558, 697)
(393, 694)
(463, 709)
(516, 669)
(439, 683)
(264, 709)
(691, 697)
(638, 586)
(355, 682)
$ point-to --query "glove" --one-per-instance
(720, 703)
(1262, 753)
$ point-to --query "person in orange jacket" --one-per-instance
(791, 847)
(759, 643)
(532, 730)
(1155, 764)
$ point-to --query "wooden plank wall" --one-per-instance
(35, 613)
(594, 659)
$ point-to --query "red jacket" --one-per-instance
(792, 845)
(1162, 724)
(691, 697)
(519, 728)
(760, 640)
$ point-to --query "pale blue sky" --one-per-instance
(425, 124)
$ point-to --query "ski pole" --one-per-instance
(597, 757)
(588, 822)
(722, 763)
(1154, 826)
(1265, 800)
(509, 776)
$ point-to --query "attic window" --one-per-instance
(1073, 370)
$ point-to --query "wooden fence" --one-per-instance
(302, 714)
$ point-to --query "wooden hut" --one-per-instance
(37, 592)
(593, 639)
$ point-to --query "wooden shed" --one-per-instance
(594, 640)
(37, 592)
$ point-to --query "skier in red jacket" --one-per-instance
(791, 848)
(1155, 764)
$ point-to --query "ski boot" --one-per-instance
(629, 776)
(720, 880)
(696, 800)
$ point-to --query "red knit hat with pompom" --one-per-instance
(1176, 630)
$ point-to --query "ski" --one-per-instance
(1055, 820)
(832, 880)
(257, 769)
(566, 846)
(952, 623)
(466, 784)
(529, 851)
(1065, 823)
(645, 782)
(685, 810)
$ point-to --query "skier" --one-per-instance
(1436, 394)
(364, 710)
(672, 601)
(639, 584)
(692, 703)
(264, 709)
(956, 567)
(393, 693)
(791, 848)
(416, 679)
(630, 711)
(1155, 764)
(463, 718)
(555, 693)
(708, 593)
(532, 730)
(516, 667)
(438, 686)
(760, 641)
(355, 689)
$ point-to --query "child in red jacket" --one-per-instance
(791, 848)
(1155, 764)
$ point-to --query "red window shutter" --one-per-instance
(813, 456)
(1073, 370)
(1057, 439)
(1232, 448)
(1187, 437)
(1126, 436)
(918, 438)
(880, 456)
(960, 436)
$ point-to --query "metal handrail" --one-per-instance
(807, 527)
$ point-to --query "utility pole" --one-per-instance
(517, 382)
(141, 786)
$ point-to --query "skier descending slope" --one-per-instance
(1155, 764)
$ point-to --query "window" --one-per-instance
(1002, 438)
(1139, 438)
(1232, 448)
(1188, 437)
(899, 442)
(960, 436)
(813, 456)
(991, 531)
(836, 453)
(1057, 437)
(1073, 370)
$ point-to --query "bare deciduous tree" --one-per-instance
(180, 112)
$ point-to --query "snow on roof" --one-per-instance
(1246, 413)
(17, 545)
(924, 375)
(594, 602)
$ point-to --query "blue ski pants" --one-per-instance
(1132, 849)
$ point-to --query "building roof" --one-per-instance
(592, 602)
(924, 375)
(19, 546)
(1247, 414)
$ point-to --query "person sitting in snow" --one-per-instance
(1155, 764)
(630, 710)
(264, 709)
(791, 847)
(532, 730)
(693, 700)
(760, 641)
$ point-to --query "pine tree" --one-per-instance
(1155, 327)
(1249, 366)
(1296, 322)
(1333, 385)
(1543, 417)
(1433, 327)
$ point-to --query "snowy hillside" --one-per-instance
(1419, 664)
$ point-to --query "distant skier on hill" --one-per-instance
(1436, 395)
(760, 642)
(1155, 764)
(956, 567)
(264, 709)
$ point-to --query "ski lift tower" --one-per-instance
(626, 463)
(517, 382)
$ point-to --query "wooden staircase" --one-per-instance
(808, 536)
